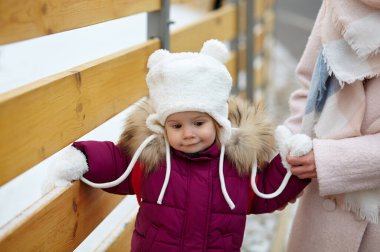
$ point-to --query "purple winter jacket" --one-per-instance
(194, 215)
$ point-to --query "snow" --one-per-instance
(31, 60)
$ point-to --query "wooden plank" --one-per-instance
(270, 4)
(258, 38)
(220, 24)
(20, 19)
(259, 7)
(181, 1)
(39, 119)
(242, 16)
(259, 73)
(202, 5)
(120, 238)
(60, 221)
(269, 21)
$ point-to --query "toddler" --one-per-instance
(187, 152)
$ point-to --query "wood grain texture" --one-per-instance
(41, 118)
(25, 19)
(219, 24)
(58, 222)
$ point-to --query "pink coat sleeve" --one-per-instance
(106, 163)
(347, 165)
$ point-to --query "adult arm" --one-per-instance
(347, 165)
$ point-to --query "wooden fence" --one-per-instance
(42, 117)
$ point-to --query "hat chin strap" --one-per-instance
(131, 165)
(221, 178)
(167, 174)
(126, 172)
(168, 169)
(270, 195)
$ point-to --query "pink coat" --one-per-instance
(344, 165)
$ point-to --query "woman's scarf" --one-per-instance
(336, 102)
(351, 39)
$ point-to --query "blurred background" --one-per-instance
(27, 61)
(294, 20)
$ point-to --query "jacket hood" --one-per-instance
(252, 135)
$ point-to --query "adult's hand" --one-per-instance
(303, 166)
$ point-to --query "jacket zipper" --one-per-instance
(208, 208)
(187, 207)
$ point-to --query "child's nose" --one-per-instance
(187, 132)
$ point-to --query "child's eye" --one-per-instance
(199, 123)
(176, 126)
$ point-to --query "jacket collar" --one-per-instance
(211, 152)
(252, 138)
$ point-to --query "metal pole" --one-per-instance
(249, 49)
(235, 43)
(158, 24)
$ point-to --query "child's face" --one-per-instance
(190, 131)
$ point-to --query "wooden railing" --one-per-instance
(42, 117)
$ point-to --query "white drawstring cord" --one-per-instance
(270, 195)
(167, 174)
(130, 167)
(221, 178)
(127, 171)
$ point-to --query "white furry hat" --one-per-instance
(189, 81)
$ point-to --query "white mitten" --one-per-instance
(69, 165)
(295, 145)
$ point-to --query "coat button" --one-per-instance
(329, 205)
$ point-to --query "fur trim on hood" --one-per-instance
(253, 136)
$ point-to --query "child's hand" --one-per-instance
(295, 145)
(304, 166)
(69, 165)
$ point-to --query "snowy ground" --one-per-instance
(48, 55)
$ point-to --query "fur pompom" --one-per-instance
(299, 145)
(157, 56)
(215, 49)
(295, 145)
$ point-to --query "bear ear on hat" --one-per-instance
(215, 49)
(157, 56)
